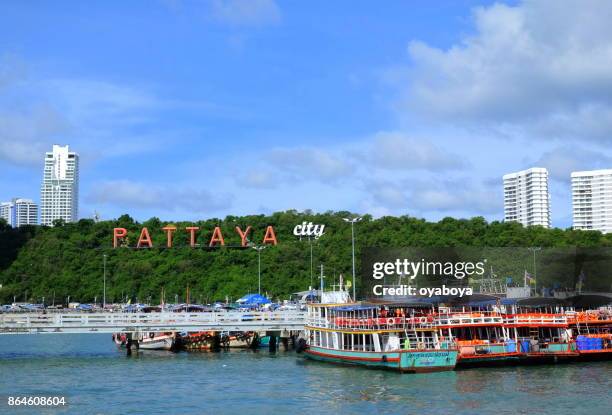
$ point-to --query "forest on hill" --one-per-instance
(68, 259)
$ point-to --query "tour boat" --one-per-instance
(481, 337)
(376, 336)
(543, 337)
(594, 333)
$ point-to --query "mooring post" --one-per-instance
(272, 344)
(128, 344)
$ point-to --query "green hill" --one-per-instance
(67, 260)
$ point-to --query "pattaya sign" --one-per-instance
(216, 239)
(309, 229)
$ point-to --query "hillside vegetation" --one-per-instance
(67, 259)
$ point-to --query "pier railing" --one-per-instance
(138, 322)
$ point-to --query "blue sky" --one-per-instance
(195, 109)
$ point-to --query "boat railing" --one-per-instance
(532, 319)
(376, 323)
(468, 319)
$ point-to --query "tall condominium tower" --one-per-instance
(592, 200)
(59, 193)
(526, 197)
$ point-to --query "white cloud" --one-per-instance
(396, 151)
(98, 118)
(310, 163)
(25, 135)
(540, 66)
(460, 196)
(257, 179)
(457, 196)
(246, 12)
(562, 161)
(130, 194)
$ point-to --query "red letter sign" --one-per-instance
(192, 237)
(270, 237)
(243, 235)
(217, 237)
(145, 239)
(118, 233)
(169, 231)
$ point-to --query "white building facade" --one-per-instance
(26, 212)
(19, 212)
(59, 193)
(592, 200)
(6, 212)
(527, 198)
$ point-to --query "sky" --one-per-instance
(187, 110)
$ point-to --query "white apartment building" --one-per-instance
(526, 197)
(6, 212)
(59, 193)
(25, 211)
(19, 212)
(592, 200)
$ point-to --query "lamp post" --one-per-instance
(104, 289)
(259, 249)
(535, 274)
(352, 222)
(311, 274)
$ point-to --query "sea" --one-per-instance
(95, 377)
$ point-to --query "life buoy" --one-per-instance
(423, 320)
(151, 335)
(390, 321)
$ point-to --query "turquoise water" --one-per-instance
(96, 378)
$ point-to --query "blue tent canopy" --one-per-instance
(253, 299)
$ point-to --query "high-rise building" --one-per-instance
(6, 212)
(526, 197)
(25, 212)
(19, 212)
(592, 200)
(59, 193)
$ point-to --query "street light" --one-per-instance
(104, 290)
(311, 274)
(535, 274)
(352, 222)
(259, 249)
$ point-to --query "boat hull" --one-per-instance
(201, 341)
(411, 361)
(157, 343)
